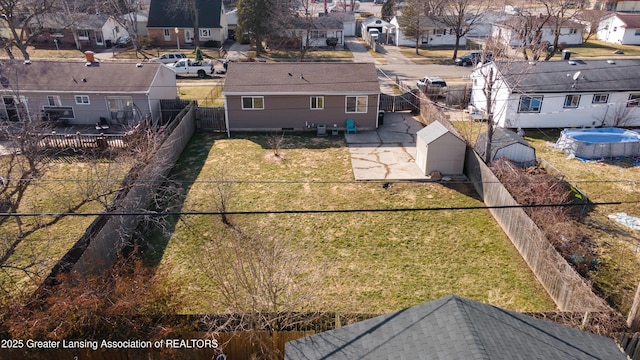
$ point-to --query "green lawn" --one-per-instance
(600, 48)
(369, 261)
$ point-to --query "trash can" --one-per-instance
(380, 117)
(107, 44)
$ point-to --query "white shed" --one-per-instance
(439, 149)
(507, 144)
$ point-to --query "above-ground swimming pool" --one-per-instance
(600, 143)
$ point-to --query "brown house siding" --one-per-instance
(293, 112)
(157, 37)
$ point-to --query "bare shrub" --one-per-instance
(534, 187)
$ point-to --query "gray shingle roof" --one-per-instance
(68, 76)
(631, 21)
(454, 328)
(557, 76)
(317, 23)
(301, 78)
(500, 139)
(162, 15)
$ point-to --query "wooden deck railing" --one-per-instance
(81, 141)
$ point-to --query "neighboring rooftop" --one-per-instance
(50, 75)
(558, 76)
(296, 77)
(454, 328)
(167, 13)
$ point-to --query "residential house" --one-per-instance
(168, 26)
(436, 33)
(620, 28)
(314, 31)
(80, 31)
(627, 6)
(137, 21)
(81, 93)
(300, 96)
(453, 328)
(507, 31)
(556, 94)
(232, 23)
(348, 20)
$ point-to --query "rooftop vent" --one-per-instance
(532, 63)
(27, 62)
(612, 62)
(138, 64)
(571, 62)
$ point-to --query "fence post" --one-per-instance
(633, 320)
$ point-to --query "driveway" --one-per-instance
(387, 153)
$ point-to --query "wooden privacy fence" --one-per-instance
(565, 286)
(81, 141)
(406, 101)
(211, 119)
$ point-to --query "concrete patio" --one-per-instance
(387, 153)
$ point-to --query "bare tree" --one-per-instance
(126, 14)
(264, 282)
(561, 13)
(461, 16)
(23, 21)
(413, 21)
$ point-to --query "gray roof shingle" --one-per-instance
(557, 76)
(301, 78)
(42, 75)
(453, 328)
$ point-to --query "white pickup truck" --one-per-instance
(191, 67)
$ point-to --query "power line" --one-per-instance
(287, 212)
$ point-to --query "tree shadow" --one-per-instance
(153, 233)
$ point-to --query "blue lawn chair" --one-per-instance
(351, 126)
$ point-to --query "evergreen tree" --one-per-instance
(254, 18)
(412, 21)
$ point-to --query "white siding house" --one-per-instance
(620, 29)
(555, 94)
(436, 33)
(505, 32)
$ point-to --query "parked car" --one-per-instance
(433, 86)
(169, 58)
(473, 58)
(123, 41)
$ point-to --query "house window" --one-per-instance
(634, 100)
(637, 32)
(82, 99)
(56, 33)
(167, 34)
(317, 102)
(356, 104)
(571, 101)
(615, 28)
(600, 98)
(205, 33)
(252, 102)
(53, 100)
(530, 104)
(439, 31)
(573, 31)
(316, 34)
(83, 34)
(120, 108)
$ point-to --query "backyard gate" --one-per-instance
(407, 101)
(211, 119)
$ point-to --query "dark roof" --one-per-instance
(303, 78)
(501, 138)
(454, 328)
(42, 75)
(557, 76)
(161, 14)
(631, 21)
